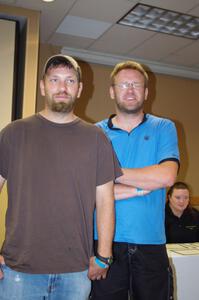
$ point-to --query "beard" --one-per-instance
(62, 106)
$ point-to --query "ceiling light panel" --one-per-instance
(161, 20)
(83, 27)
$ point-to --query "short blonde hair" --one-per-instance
(132, 65)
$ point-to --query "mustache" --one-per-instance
(62, 94)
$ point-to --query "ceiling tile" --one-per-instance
(178, 5)
(195, 11)
(103, 10)
(187, 56)
(71, 41)
(159, 46)
(121, 39)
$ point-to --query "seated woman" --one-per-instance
(181, 220)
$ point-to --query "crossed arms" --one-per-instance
(148, 179)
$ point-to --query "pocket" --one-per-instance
(154, 258)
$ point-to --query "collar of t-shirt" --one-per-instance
(111, 126)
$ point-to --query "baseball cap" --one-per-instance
(60, 59)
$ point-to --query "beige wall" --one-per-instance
(30, 80)
(7, 50)
(177, 98)
(172, 97)
(31, 59)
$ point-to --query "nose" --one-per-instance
(182, 200)
(63, 86)
(131, 87)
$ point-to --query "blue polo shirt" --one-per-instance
(140, 219)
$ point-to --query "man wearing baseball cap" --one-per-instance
(58, 169)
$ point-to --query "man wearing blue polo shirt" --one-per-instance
(147, 149)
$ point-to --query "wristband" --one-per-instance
(140, 192)
(106, 260)
(100, 263)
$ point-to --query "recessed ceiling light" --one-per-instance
(162, 20)
(48, 0)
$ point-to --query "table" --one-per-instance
(184, 260)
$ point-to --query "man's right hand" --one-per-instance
(2, 262)
(95, 272)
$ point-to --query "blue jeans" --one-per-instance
(23, 286)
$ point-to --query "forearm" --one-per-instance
(105, 228)
(152, 177)
(105, 219)
(122, 191)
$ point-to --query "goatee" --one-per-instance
(62, 107)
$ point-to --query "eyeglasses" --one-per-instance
(127, 85)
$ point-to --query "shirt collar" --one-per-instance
(111, 126)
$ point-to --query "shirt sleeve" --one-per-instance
(107, 163)
(167, 142)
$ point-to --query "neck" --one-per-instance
(58, 117)
(127, 121)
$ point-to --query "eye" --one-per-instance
(70, 81)
(125, 85)
(53, 80)
(122, 85)
(137, 85)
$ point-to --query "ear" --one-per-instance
(112, 92)
(80, 89)
(42, 89)
(146, 94)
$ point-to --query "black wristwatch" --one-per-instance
(107, 260)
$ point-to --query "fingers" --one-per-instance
(2, 262)
(99, 277)
(1, 274)
(96, 276)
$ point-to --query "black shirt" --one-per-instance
(184, 229)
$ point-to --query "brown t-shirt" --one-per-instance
(52, 171)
